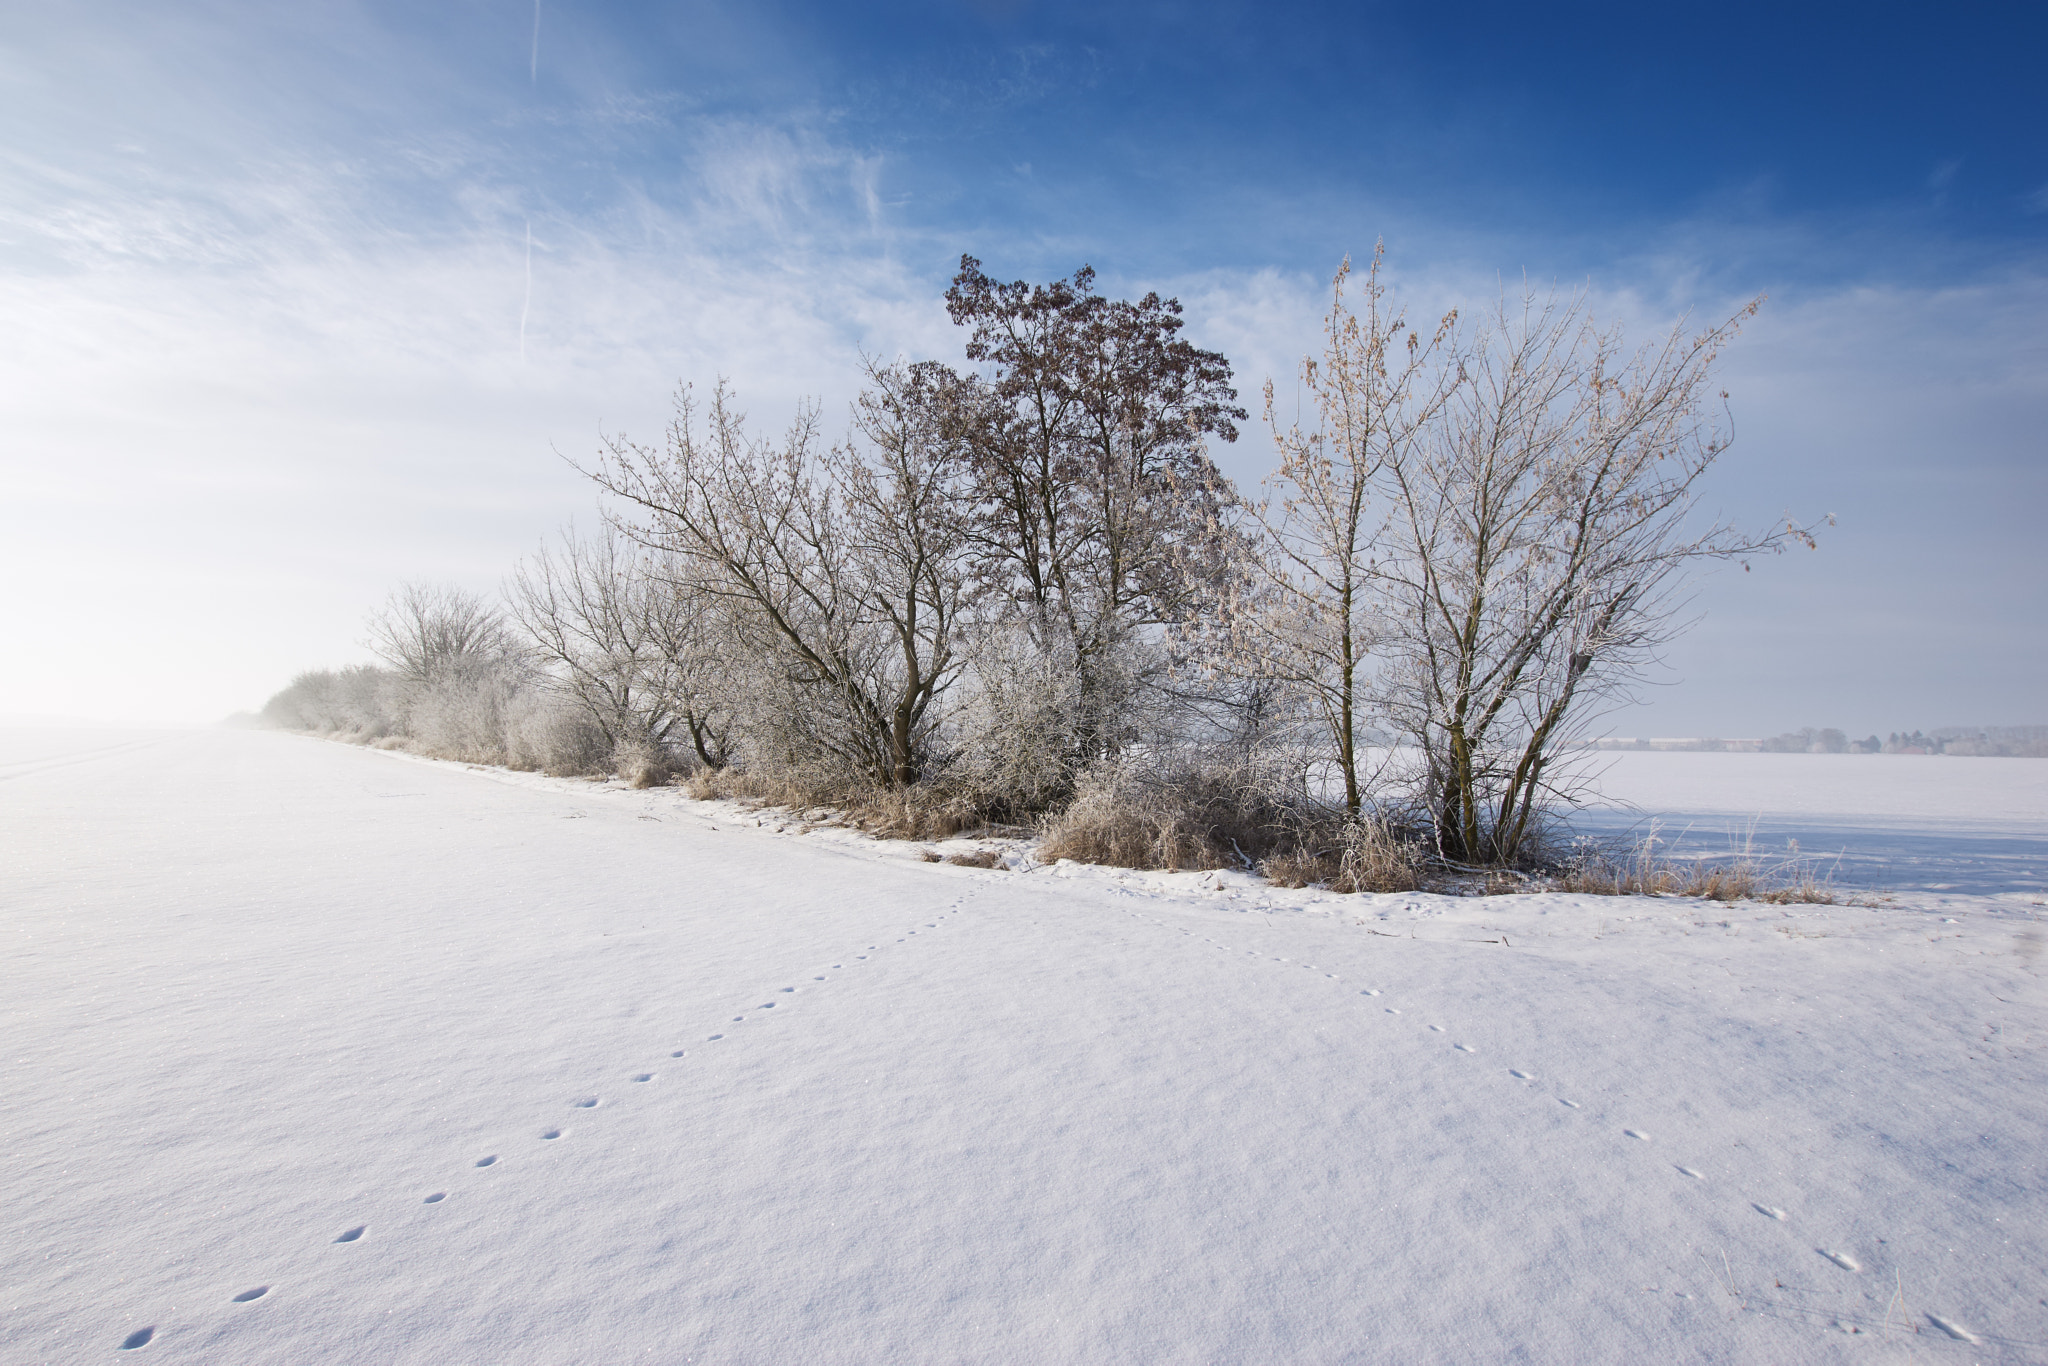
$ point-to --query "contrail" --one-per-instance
(527, 306)
(533, 74)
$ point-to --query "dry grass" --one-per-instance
(979, 858)
(1641, 871)
(1194, 820)
(913, 813)
(1368, 855)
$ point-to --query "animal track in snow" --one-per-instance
(1520, 1075)
(258, 1293)
(436, 1198)
(1841, 1259)
(643, 1076)
(1370, 991)
(1637, 1134)
(139, 1338)
(1436, 1029)
(1392, 1011)
(350, 1235)
(1464, 1048)
(1568, 1104)
(1954, 1330)
(588, 1103)
(551, 1134)
(713, 1039)
(1770, 1211)
(487, 1161)
(787, 990)
(1691, 1173)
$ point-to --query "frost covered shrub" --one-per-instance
(641, 764)
(1196, 816)
(358, 703)
(1011, 752)
(547, 734)
(465, 713)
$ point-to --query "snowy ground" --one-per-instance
(313, 1053)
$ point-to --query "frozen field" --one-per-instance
(1891, 822)
(315, 1054)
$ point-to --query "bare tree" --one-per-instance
(429, 632)
(840, 567)
(907, 541)
(686, 625)
(1539, 537)
(625, 642)
(1310, 621)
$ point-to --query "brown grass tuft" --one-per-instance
(924, 812)
(980, 858)
(1366, 855)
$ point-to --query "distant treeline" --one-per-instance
(2014, 742)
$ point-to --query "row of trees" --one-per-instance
(1004, 585)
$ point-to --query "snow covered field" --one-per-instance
(313, 1053)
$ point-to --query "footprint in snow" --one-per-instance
(713, 1039)
(1637, 1134)
(1392, 1010)
(1568, 1104)
(139, 1338)
(587, 1103)
(1436, 1029)
(436, 1198)
(350, 1235)
(1953, 1329)
(1464, 1048)
(258, 1293)
(767, 1005)
(789, 989)
(1688, 1171)
(487, 1161)
(643, 1076)
(552, 1134)
(1519, 1075)
(1841, 1259)
(1370, 991)
(1769, 1211)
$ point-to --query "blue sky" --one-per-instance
(277, 344)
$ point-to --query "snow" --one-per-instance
(270, 1003)
(1889, 821)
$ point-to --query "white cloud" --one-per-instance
(239, 410)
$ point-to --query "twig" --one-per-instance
(1899, 1299)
